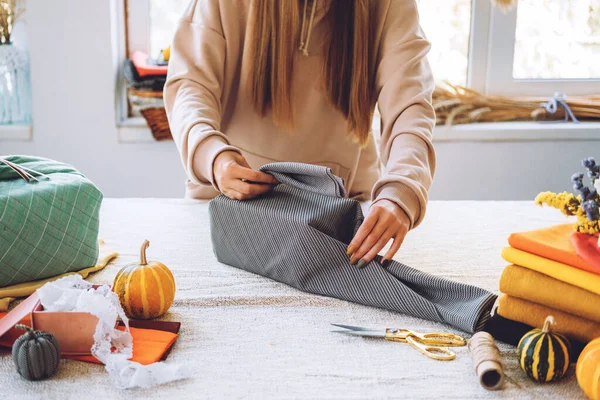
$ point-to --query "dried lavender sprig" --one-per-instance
(577, 179)
(586, 193)
(592, 167)
(592, 210)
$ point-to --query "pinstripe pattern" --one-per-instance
(48, 227)
(298, 235)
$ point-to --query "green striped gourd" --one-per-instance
(36, 354)
(544, 355)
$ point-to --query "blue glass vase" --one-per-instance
(15, 86)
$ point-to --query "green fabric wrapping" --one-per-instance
(48, 227)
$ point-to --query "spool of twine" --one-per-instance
(486, 360)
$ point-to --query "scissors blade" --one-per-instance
(352, 328)
(372, 334)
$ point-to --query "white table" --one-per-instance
(249, 337)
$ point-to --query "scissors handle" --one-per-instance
(433, 352)
(440, 339)
(433, 339)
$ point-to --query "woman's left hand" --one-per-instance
(385, 221)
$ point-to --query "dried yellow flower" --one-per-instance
(567, 203)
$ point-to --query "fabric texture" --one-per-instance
(49, 227)
(10, 293)
(535, 314)
(298, 235)
(562, 272)
(587, 247)
(207, 103)
(536, 287)
(553, 243)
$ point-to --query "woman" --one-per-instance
(257, 81)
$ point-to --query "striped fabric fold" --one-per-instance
(298, 234)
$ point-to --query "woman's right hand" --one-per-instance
(236, 180)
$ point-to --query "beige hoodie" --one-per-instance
(209, 111)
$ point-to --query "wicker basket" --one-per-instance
(150, 105)
(158, 123)
(145, 93)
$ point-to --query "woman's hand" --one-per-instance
(385, 221)
(236, 180)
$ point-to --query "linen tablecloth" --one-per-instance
(246, 336)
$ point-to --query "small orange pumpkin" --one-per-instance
(588, 370)
(146, 289)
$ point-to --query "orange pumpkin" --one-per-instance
(146, 289)
(588, 370)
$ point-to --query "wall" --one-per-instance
(74, 121)
(508, 170)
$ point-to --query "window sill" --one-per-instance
(135, 130)
(518, 132)
(15, 132)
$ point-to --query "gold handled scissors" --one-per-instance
(434, 345)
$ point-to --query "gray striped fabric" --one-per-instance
(298, 234)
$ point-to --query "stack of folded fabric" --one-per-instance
(549, 277)
(144, 73)
(146, 79)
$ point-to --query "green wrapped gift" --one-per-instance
(48, 219)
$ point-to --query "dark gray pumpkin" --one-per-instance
(36, 354)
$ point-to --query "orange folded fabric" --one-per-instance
(140, 60)
(149, 345)
(533, 314)
(553, 243)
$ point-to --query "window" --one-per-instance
(537, 48)
(447, 25)
(164, 15)
(561, 42)
(151, 23)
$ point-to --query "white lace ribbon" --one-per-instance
(111, 346)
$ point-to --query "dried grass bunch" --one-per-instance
(459, 105)
(10, 12)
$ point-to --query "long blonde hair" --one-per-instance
(347, 76)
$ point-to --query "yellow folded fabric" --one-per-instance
(533, 286)
(10, 293)
(562, 272)
(534, 314)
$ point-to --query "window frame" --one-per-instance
(138, 25)
(500, 64)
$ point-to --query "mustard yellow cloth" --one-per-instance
(562, 272)
(10, 293)
(533, 314)
(530, 285)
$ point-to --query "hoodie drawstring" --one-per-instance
(304, 44)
